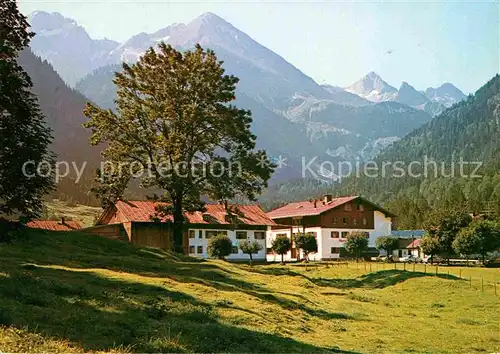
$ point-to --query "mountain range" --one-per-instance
(293, 115)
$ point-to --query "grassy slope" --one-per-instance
(72, 292)
(84, 214)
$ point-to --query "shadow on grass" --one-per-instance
(82, 251)
(100, 313)
(376, 280)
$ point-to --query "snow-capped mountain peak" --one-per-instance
(446, 94)
(373, 88)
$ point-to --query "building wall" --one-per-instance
(202, 242)
(112, 231)
(151, 234)
(381, 227)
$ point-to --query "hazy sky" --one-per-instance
(423, 43)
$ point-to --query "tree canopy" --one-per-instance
(24, 138)
(175, 130)
(356, 243)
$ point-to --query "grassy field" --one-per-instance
(83, 213)
(63, 292)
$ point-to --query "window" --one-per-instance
(192, 234)
(200, 250)
(269, 250)
(312, 233)
(234, 250)
(364, 221)
(348, 207)
(345, 221)
(335, 221)
(334, 250)
(191, 249)
(212, 233)
(281, 235)
(354, 221)
(334, 234)
(345, 234)
(360, 207)
(241, 235)
(259, 235)
(200, 233)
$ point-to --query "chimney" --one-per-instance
(63, 222)
(315, 203)
(327, 198)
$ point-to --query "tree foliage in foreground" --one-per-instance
(174, 117)
(250, 248)
(24, 138)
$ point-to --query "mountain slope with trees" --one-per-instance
(468, 131)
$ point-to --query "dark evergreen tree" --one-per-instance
(23, 135)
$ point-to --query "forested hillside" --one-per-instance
(468, 131)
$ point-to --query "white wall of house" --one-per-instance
(383, 227)
(328, 246)
(198, 246)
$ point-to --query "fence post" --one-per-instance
(470, 281)
(482, 284)
(370, 267)
(460, 273)
(413, 267)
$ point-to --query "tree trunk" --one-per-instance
(178, 226)
(250, 258)
(282, 259)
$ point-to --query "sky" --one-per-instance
(422, 43)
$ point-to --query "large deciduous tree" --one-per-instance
(24, 138)
(175, 119)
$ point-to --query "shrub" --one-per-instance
(219, 246)
(281, 245)
(356, 243)
(250, 248)
(307, 243)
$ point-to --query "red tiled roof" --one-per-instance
(415, 243)
(54, 225)
(306, 208)
(143, 210)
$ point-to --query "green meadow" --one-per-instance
(71, 292)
